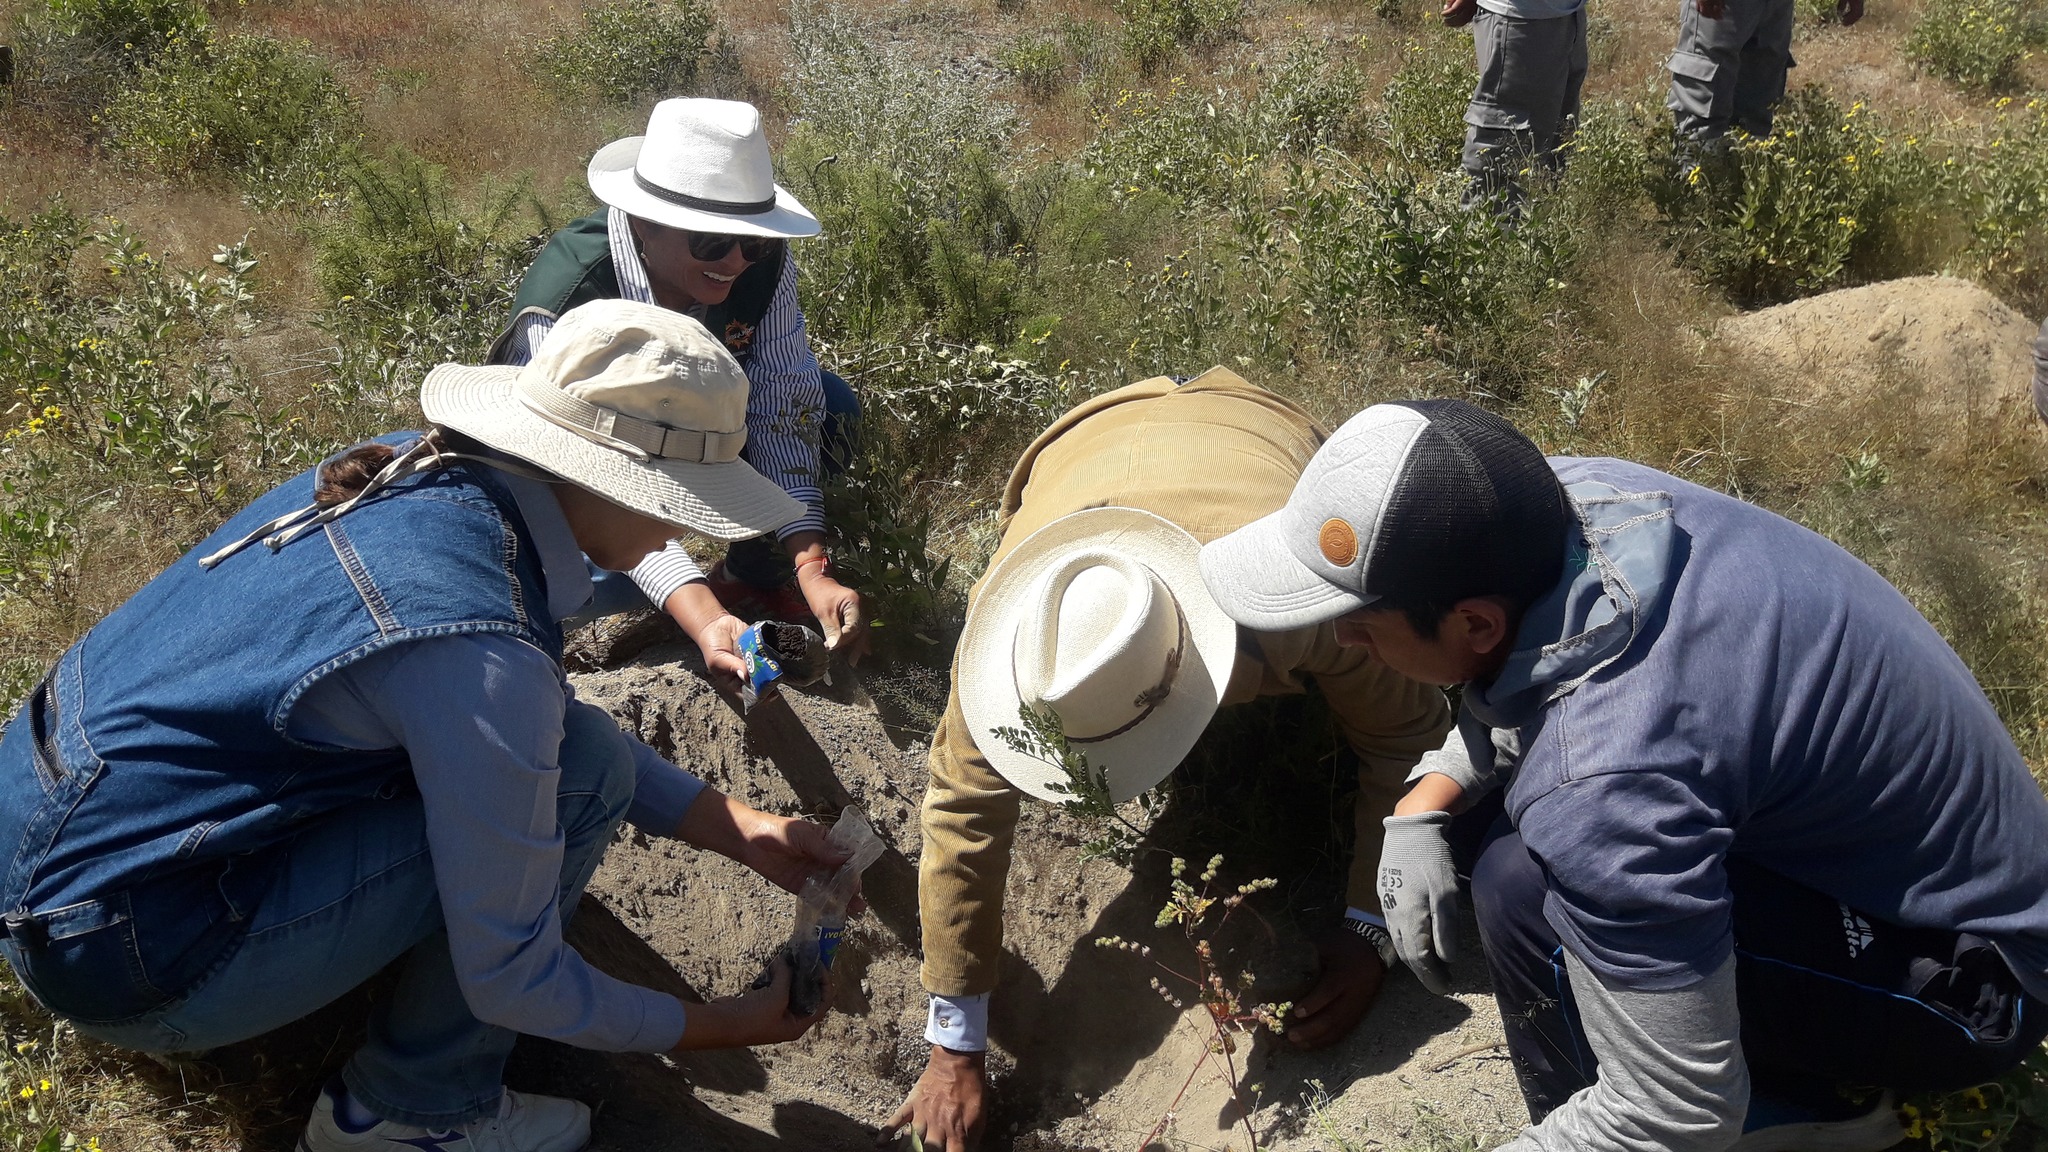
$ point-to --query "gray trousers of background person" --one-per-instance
(1731, 71)
(1527, 100)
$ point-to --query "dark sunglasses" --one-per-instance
(710, 246)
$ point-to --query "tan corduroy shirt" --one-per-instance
(1211, 456)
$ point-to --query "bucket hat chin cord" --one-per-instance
(424, 455)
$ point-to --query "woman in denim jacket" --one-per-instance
(338, 733)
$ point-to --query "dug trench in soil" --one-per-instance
(1089, 1056)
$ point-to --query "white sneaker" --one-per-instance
(524, 1123)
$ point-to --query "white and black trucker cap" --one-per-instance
(1417, 502)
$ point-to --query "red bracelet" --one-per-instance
(824, 560)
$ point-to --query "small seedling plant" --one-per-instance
(1040, 736)
(1226, 995)
(1216, 982)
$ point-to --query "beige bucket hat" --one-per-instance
(702, 166)
(1101, 617)
(633, 402)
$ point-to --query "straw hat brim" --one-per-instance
(1135, 760)
(611, 179)
(727, 501)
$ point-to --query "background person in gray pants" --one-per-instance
(1532, 61)
(1730, 65)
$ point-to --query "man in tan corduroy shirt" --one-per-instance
(1210, 456)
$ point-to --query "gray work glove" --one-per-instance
(1419, 896)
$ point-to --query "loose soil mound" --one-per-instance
(1089, 1056)
(1948, 347)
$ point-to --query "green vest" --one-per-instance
(576, 268)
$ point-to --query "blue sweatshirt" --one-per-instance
(1711, 679)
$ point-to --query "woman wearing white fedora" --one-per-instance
(338, 734)
(694, 222)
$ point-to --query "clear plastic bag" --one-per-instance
(821, 912)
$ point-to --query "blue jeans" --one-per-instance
(351, 894)
(760, 560)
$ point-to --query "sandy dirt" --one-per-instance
(1088, 1056)
(1949, 347)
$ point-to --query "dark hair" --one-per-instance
(1478, 512)
(1426, 614)
(344, 475)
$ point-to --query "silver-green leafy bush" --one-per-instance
(625, 51)
(1975, 43)
(267, 113)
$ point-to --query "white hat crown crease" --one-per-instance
(1103, 641)
(710, 149)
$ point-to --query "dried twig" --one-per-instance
(1468, 1050)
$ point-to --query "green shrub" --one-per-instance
(116, 391)
(2010, 1112)
(1037, 62)
(1188, 143)
(72, 56)
(2007, 202)
(132, 30)
(268, 114)
(1380, 252)
(416, 278)
(1829, 196)
(923, 225)
(1310, 100)
(1422, 111)
(1976, 43)
(1608, 166)
(630, 50)
(1154, 30)
(882, 508)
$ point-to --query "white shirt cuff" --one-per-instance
(1361, 914)
(958, 1022)
(661, 573)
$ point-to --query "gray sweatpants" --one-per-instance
(1730, 71)
(1527, 100)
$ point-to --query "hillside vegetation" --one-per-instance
(233, 237)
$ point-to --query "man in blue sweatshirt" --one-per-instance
(1759, 839)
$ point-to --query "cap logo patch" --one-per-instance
(1339, 543)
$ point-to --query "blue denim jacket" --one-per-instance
(167, 789)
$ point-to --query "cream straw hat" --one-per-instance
(635, 403)
(703, 166)
(1100, 616)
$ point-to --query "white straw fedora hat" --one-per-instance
(1101, 617)
(703, 166)
(633, 402)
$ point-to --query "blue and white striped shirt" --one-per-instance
(785, 403)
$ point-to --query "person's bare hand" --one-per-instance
(717, 632)
(946, 1110)
(759, 1016)
(1458, 13)
(1710, 9)
(1345, 989)
(1850, 11)
(787, 852)
(719, 641)
(838, 609)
